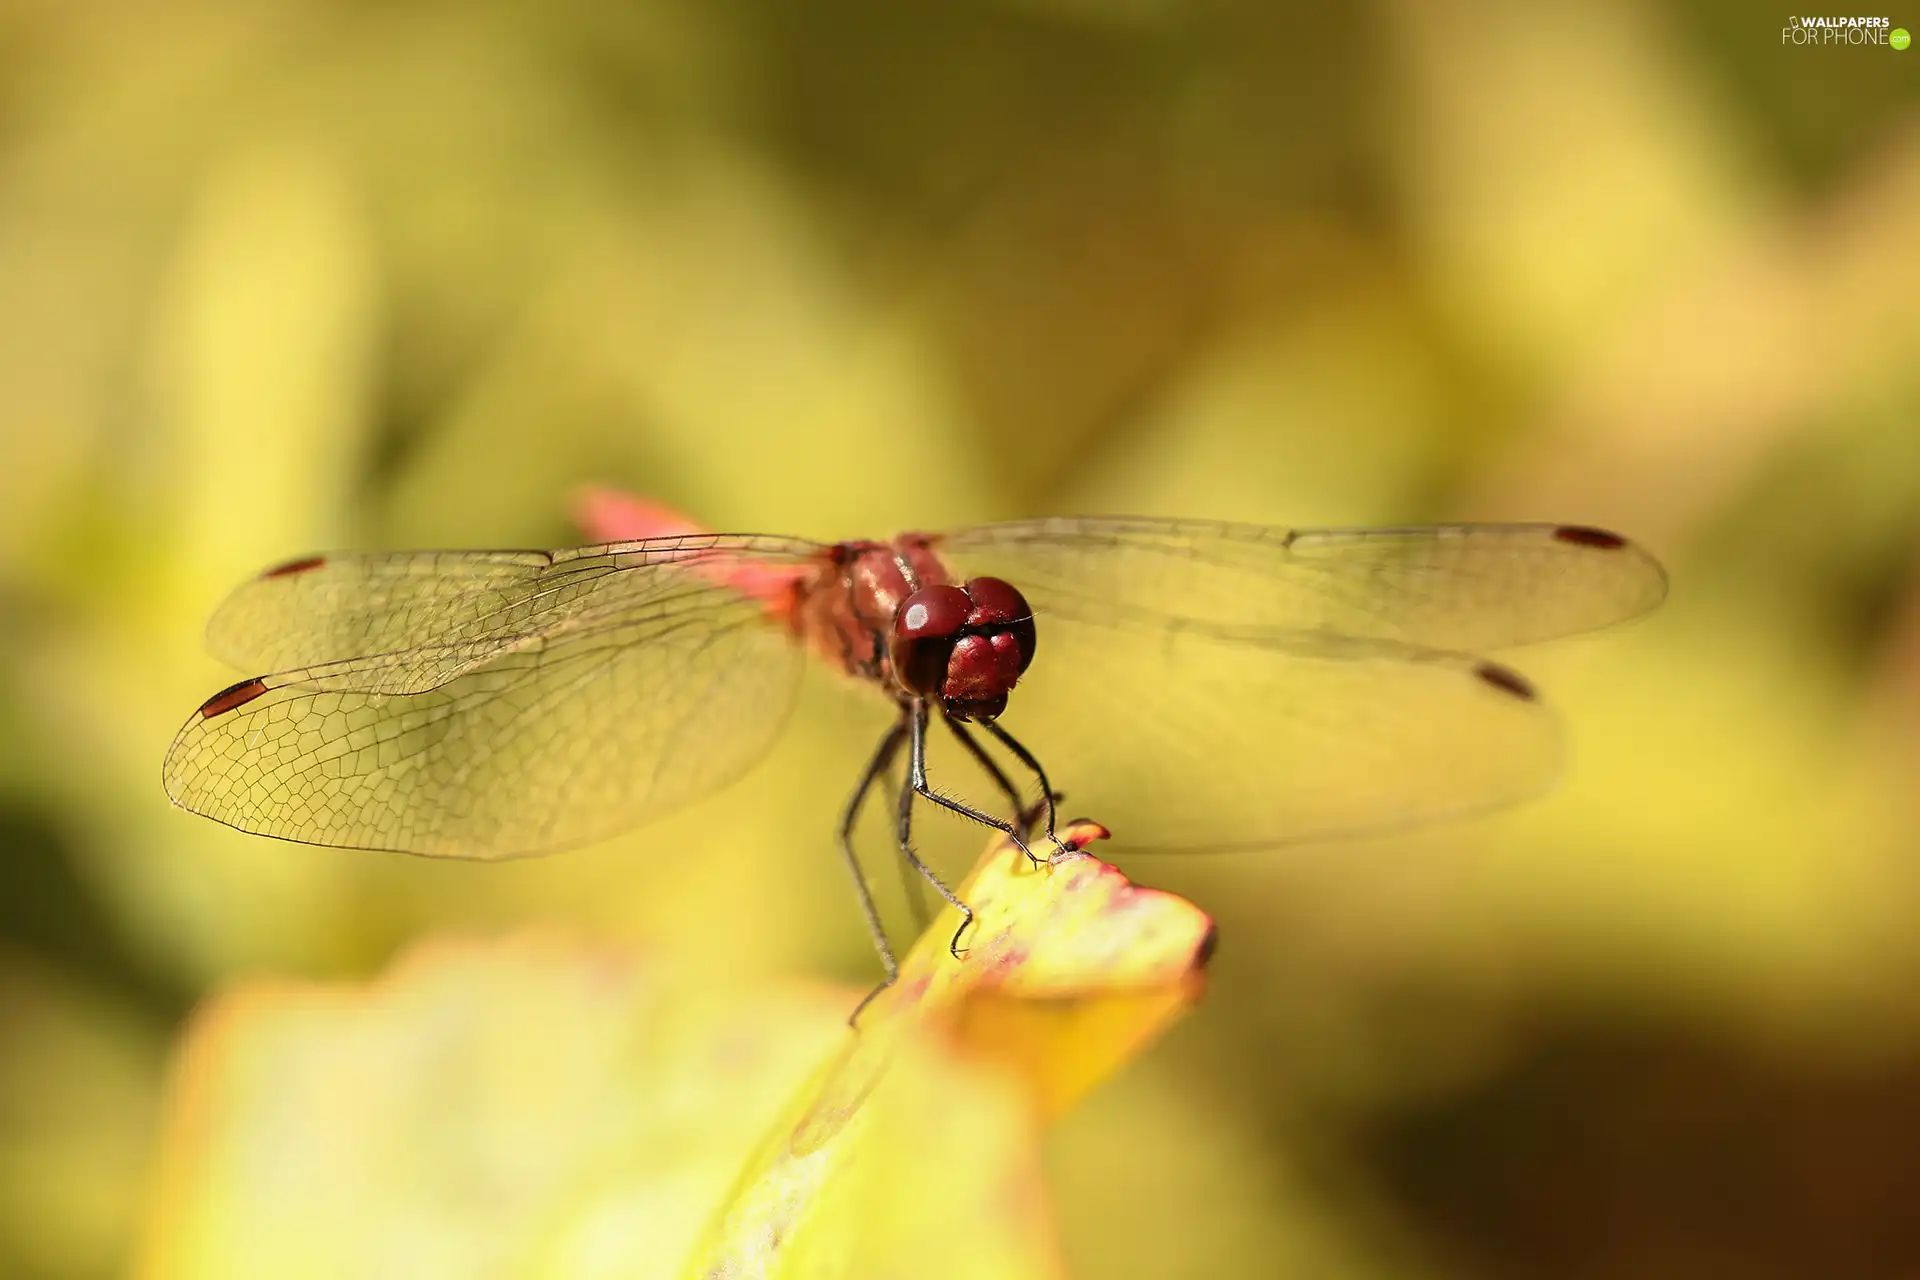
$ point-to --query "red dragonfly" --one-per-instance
(1213, 685)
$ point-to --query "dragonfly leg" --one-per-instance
(876, 767)
(914, 889)
(1027, 758)
(917, 783)
(994, 771)
(917, 786)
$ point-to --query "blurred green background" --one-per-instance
(294, 275)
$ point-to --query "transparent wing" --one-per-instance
(430, 612)
(1205, 686)
(1195, 740)
(1458, 587)
(555, 701)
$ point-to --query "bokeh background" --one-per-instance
(296, 275)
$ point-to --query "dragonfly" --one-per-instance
(1218, 686)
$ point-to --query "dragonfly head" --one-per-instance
(966, 646)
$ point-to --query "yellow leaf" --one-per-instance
(900, 1143)
(538, 1107)
(521, 1107)
(1069, 969)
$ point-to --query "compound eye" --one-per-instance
(932, 611)
(997, 604)
(924, 631)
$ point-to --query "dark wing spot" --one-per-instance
(1506, 679)
(1581, 535)
(237, 695)
(295, 566)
